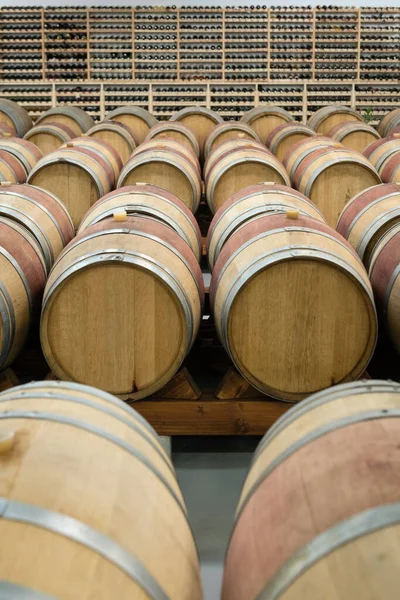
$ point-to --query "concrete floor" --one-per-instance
(211, 472)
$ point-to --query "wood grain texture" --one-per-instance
(49, 136)
(175, 130)
(76, 118)
(389, 122)
(15, 116)
(200, 120)
(228, 131)
(327, 117)
(116, 134)
(264, 119)
(139, 120)
(285, 136)
(301, 149)
(354, 135)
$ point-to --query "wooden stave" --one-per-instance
(226, 129)
(169, 145)
(15, 165)
(45, 217)
(343, 507)
(162, 234)
(230, 147)
(161, 130)
(341, 131)
(7, 173)
(7, 130)
(383, 152)
(357, 208)
(70, 402)
(24, 151)
(84, 161)
(389, 121)
(302, 149)
(56, 130)
(280, 138)
(248, 235)
(176, 161)
(77, 115)
(383, 273)
(200, 120)
(16, 115)
(391, 169)
(240, 157)
(308, 172)
(121, 130)
(250, 117)
(190, 230)
(102, 149)
(128, 114)
(22, 283)
(317, 121)
(215, 244)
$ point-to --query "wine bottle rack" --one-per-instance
(228, 59)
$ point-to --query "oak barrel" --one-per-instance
(381, 151)
(89, 497)
(24, 151)
(389, 122)
(200, 120)
(7, 130)
(229, 147)
(163, 166)
(174, 130)
(384, 273)
(118, 135)
(11, 169)
(303, 148)
(331, 176)
(169, 145)
(15, 116)
(138, 119)
(237, 169)
(76, 176)
(42, 214)
(285, 136)
(49, 136)
(72, 116)
(278, 292)
(391, 169)
(319, 514)
(252, 203)
(101, 149)
(325, 118)
(23, 276)
(228, 131)
(148, 200)
(354, 135)
(264, 119)
(367, 216)
(142, 292)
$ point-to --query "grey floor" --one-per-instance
(211, 472)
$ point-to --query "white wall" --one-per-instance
(358, 3)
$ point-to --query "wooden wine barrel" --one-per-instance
(7, 130)
(319, 515)
(384, 273)
(102, 509)
(25, 152)
(164, 168)
(303, 148)
(12, 166)
(143, 292)
(394, 132)
(76, 176)
(49, 136)
(41, 213)
(235, 171)
(101, 149)
(148, 200)
(15, 116)
(381, 151)
(229, 131)
(389, 122)
(116, 134)
(331, 176)
(174, 130)
(278, 292)
(249, 204)
(285, 136)
(72, 116)
(230, 147)
(324, 119)
(169, 145)
(367, 216)
(138, 119)
(354, 135)
(23, 276)
(200, 120)
(264, 119)
(391, 169)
